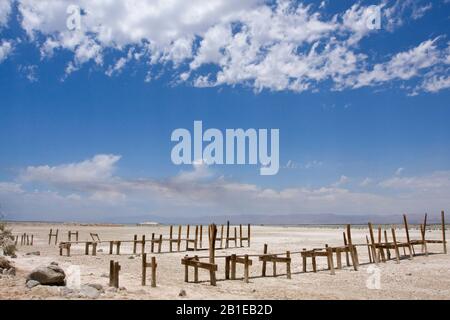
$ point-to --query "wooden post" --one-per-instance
(196, 270)
(240, 235)
(248, 235)
(111, 273)
(386, 241)
(372, 240)
(56, 236)
(111, 244)
(394, 239)
(288, 264)
(153, 272)
(160, 243)
(347, 259)
(227, 267)
(304, 259)
(143, 244)
(407, 236)
(233, 267)
(187, 236)
(196, 238)
(144, 269)
(228, 234)
(152, 246)
(212, 252)
(116, 274)
(32, 239)
(314, 263)
(353, 252)
(201, 236)
(170, 238)
(118, 247)
(330, 260)
(424, 243)
(368, 249)
(444, 243)
(423, 232)
(179, 238)
(235, 237)
(49, 237)
(338, 258)
(86, 248)
(134, 243)
(221, 236)
(94, 248)
(186, 271)
(246, 268)
(264, 264)
(380, 248)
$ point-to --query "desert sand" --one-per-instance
(420, 278)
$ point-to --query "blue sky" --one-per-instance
(86, 115)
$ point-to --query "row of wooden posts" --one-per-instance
(378, 250)
(114, 271)
(194, 243)
(25, 239)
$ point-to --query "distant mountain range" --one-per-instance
(291, 219)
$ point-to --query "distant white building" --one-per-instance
(148, 223)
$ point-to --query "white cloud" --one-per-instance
(5, 49)
(285, 45)
(404, 65)
(399, 171)
(99, 168)
(366, 182)
(5, 10)
(91, 189)
(10, 187)
(342, 180)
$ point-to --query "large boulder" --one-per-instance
(51, 275)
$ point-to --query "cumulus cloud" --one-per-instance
(281, 45)
(5, 49)
(5, 10)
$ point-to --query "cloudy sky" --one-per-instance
(88, 104)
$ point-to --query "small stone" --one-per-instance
(409, 274)
(100, 250)
(182, 293)
(54, 263)
(122, 289)
(89, 292)
(32, 283)
(131, 257)
(34, 253)
(10, 272)
(104, 275)
(97, 286)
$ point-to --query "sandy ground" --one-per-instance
(420, 278)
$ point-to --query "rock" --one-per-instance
(100, 250)
(65, 291)
(182, 293)
(5, 263)
(13, 256)
(10, 271)
(54, 263)
(131, 257)
(89, 292)
(34, 253)
(50, 275)
(45, 291)
(104, 275)
(97, 286)
(122, 289)
(32, 283)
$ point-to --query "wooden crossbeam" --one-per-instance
(53, 235)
